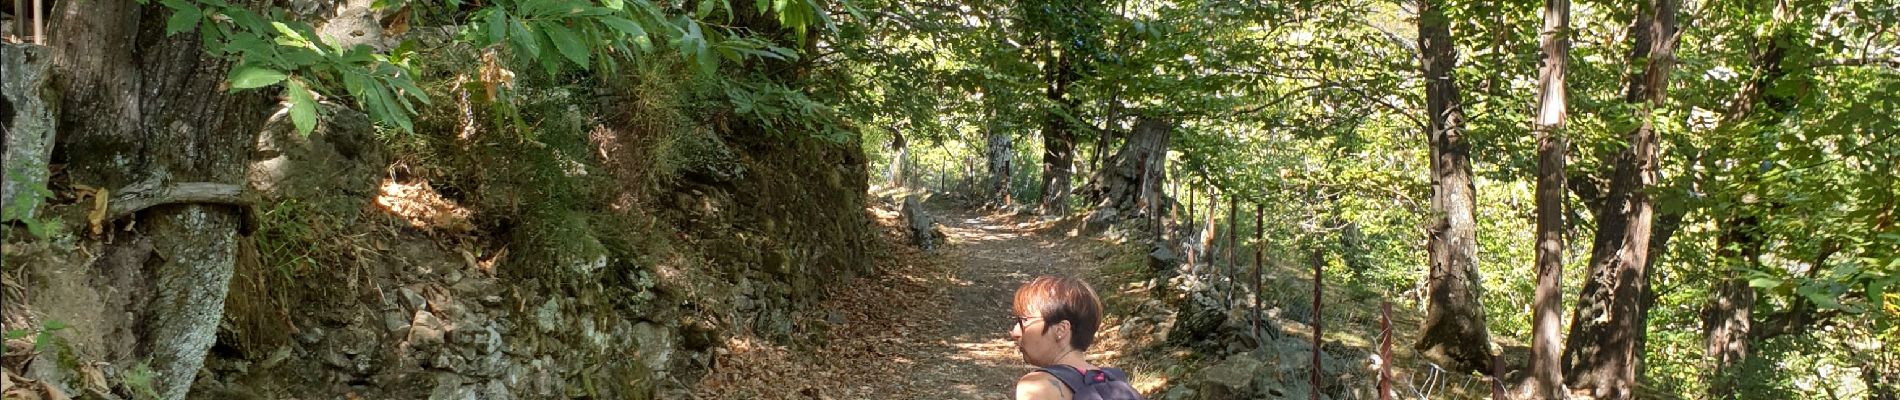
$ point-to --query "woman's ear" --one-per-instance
(1062, 330)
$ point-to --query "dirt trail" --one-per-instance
(934, 326)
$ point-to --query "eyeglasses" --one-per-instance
(1021, 322)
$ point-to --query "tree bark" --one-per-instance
(1667, 224)
(1727, 317)
(900, 163)
(1601, 350)
(1058, 137)
(1002, 156)
(1546, 373)
(27, 120)
(1454, 331)
(1133, 177)
(138, 106)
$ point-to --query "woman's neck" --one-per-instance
(1075, 358)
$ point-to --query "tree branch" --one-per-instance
(1857, 62)
(137, 200)
(1802, 312)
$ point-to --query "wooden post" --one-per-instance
(1259, 233)
(19, 20)
(1190, 206)
(1233, 232)
(1205, 240)
(1497, 376)
(39, 22)
(1319, 262)
(1174, 209)
(1385, 350)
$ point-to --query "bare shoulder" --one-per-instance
(1038, 385)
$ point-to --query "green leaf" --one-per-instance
(392, 113)
(522, 39)
(285, 30)
(409, 88)
(17, 333)
(1823, 300)
(625, 26)
(211, 35)
(708, 64)
(1877, 290)
(248, 47)
(303, 107)
(37, 228)
(704, 9)
(614, 4)
(788, 54)
(184, 17)
(245, 19)
(54, 325)
(1764, 282)
(568, 43)
(251, 76)
(497, 25)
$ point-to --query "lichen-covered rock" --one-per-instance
(922, 227)
(1201, 314)
(656, 346)
(341, 155)
(1232, 378)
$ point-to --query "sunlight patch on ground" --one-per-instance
(420, 205)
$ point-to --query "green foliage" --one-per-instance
(46, 339)
(1313, 111)
(289, 238)
(25, 202)
(140, 380)
(273, 48)
(43, 338)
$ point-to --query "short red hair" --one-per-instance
(1060, 299)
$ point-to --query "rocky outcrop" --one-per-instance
(920, 225)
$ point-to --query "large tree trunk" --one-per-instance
(1546, 339)
(1001, 153)
(1601, 350)
(142, 112)
(900, 162)
(1667, 224)
(1728, 316)
(1130, 181)
(1058, 138)
(1454, 329)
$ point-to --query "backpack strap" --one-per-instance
(1070, 377)
(1082, 383)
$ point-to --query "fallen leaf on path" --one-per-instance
(99, 207)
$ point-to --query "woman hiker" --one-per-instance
(1054, 320)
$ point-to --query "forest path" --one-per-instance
(930, 326)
